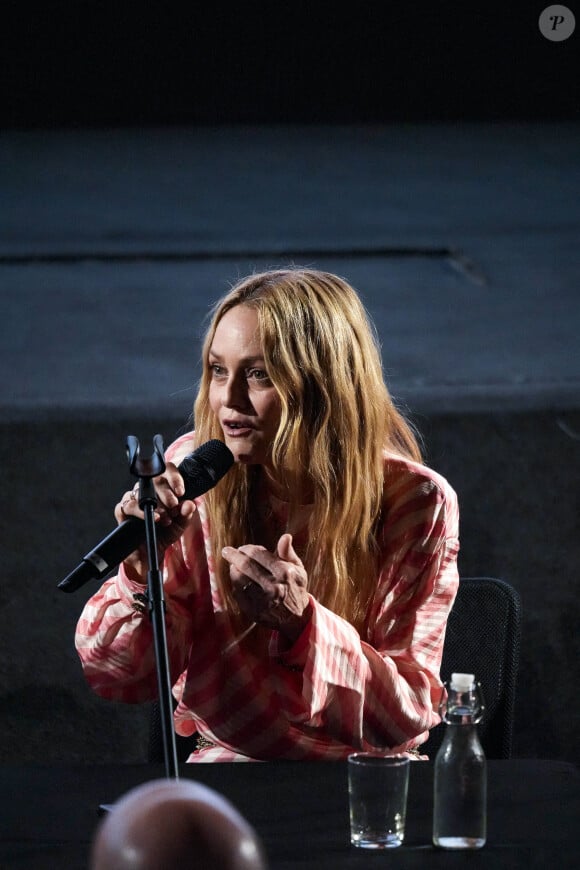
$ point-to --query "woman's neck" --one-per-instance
(283, 488)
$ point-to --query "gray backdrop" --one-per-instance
(463, 241)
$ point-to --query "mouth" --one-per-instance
(236, 428)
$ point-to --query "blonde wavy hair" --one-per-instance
(322, 355)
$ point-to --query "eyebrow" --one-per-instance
(245, 360)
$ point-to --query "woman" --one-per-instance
(307, 594)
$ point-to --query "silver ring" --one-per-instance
(133, 495)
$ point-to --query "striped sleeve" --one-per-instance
(114, 634)
(384, 690)
(334, 689)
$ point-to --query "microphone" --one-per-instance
(201, 470)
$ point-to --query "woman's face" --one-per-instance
(241, 395)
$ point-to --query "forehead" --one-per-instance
(237, 333)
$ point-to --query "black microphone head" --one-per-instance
(203, 468)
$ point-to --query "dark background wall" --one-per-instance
(93, 63)
(149, 153)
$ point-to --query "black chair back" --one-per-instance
(483, 638)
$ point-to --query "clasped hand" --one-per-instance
(271, 588)
(173, 514)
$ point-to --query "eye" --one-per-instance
(216, 370)
(259, 376)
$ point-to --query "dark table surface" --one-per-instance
(48, 815)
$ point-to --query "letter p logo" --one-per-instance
(557, 23)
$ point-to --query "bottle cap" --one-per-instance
(462, 682)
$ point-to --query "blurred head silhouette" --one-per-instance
(175, 824)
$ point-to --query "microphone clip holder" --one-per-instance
(145, 469)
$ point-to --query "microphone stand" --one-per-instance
(145, 469)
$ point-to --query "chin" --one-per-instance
(244, 457)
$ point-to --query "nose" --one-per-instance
(235, 394)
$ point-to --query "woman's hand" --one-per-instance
(172, 515)
(271, 588)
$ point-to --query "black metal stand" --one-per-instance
(145, 469)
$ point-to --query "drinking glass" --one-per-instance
(377, 792)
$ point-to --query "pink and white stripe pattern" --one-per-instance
(331, 693)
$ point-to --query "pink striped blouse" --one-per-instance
(332, 692)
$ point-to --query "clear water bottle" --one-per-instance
(460, 780)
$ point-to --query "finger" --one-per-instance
(254, 587)
(172, 481)
(166, 497)
(243, 564)
(165, 507)
(254, 602)
(282, 566)
(177, 522)
(263, 557)
(175, 479)
(286, 551)
(186, 511)
(244, 589)
(170, 491)
(250, 601)
(127, 507)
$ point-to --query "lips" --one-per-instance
(237, 428)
